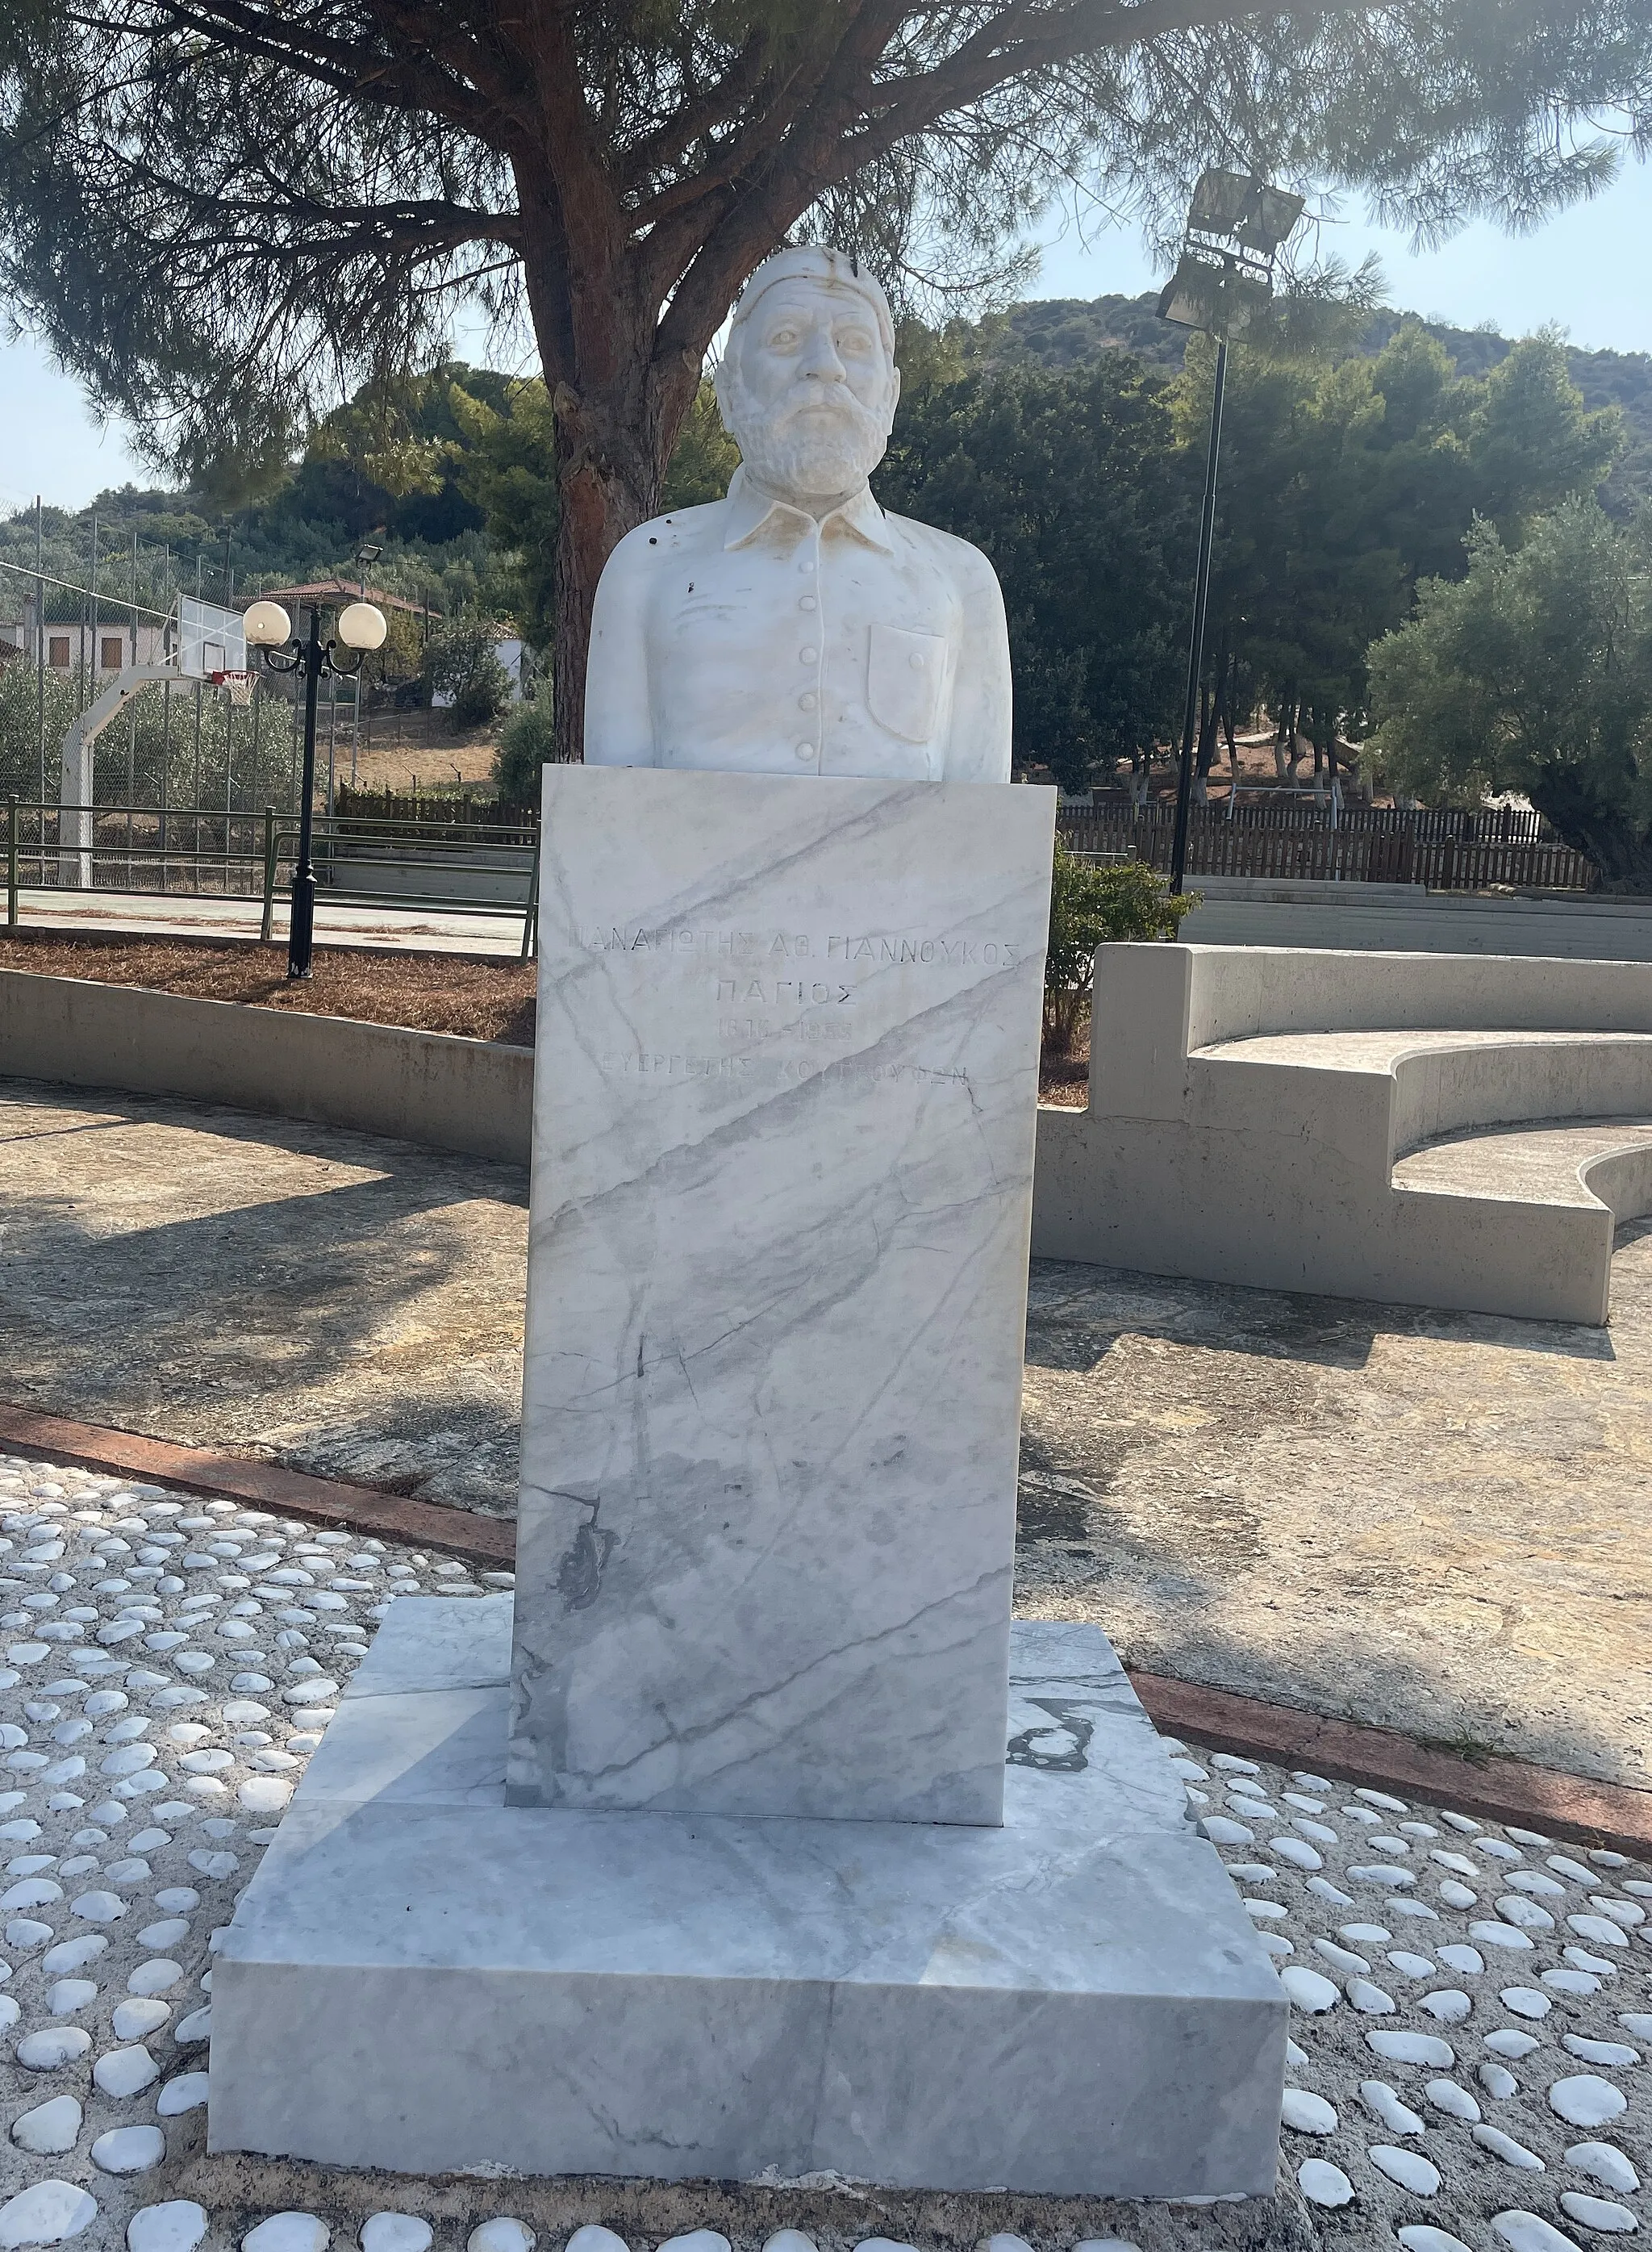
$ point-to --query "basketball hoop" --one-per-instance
(240, 686)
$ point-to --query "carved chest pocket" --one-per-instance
(905, 673)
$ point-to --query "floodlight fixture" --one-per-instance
(1235, 225)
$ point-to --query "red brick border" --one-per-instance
(358, 1508)
(1504, 1791)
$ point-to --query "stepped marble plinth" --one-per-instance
(784, 1118)
(423, 1978)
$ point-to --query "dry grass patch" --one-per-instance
(427, 993)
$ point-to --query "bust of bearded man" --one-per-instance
(796, 627)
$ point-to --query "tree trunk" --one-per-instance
(606, 488)
(1618, 847)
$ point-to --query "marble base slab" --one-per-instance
(423, 1978)
(785, 1100)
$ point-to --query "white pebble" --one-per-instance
(198, 2026)
(1419, 2237)
(396, 2232)
(1386, 2109)
(1307, 1990)
(1597, 2213)
(1466, 1962)
(1307, 2113)
(128, 2150)
(1603, 2162)
(187, 2093)
(1497, 2081)
(1586, 2101)
(53, 2047)
(177, 2226)
(593, 2239)
(1507, 2042)
(1322, 2183)
(1221, 1831)
(1370, 1999)
(48, 2213)
(1449, 2004)
(125, 2071)
(1594, 2051)
(693, 2240)
(49, 2128)
(1505, 2147)
(1297, 1852)
(1409, 2168)
(1526, 2232)
(288, 2231)
(1500, 1935)
(99, 1908)
(1526, 2001)
(505, 2235)
(1599, 1931)
(1399, 2047)
(1457, 2103)
(134, 2019)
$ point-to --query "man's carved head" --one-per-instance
(807, 384)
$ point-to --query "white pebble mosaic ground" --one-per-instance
(1472, 2019)
(1471, 2063)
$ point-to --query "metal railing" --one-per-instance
(1445, 849)
(475, 868)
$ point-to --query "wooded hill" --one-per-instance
(1062, 332)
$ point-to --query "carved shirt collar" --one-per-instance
(749, 508)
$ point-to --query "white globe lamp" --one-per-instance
(267, 625)
(363, 626)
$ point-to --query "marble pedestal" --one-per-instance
(423, 1978)
(784, 1112)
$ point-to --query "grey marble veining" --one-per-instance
(784, 1111)
(1074, 2002)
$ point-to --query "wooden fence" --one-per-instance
(1448, 851)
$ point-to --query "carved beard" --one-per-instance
(819, 439)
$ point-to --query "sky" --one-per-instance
(1584, 270)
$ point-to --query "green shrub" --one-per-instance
(463, 662)
(525, 745)
(1090, 907)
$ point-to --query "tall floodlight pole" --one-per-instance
(1235, 227)
(267, 627)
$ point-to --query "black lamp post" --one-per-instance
(361, 627)
(1234, 229)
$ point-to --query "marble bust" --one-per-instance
(796, 627)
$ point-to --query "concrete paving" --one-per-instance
(1433, 1522)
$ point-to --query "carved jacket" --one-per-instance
(746, 638)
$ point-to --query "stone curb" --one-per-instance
(1504, 1791)
(357, 1508)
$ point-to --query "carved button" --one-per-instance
(808, 656)
(805, 703)
(805, 750)
(806, 602)
(917, 660)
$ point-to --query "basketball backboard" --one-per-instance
(209, 639)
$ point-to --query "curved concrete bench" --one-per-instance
(1228, 1136)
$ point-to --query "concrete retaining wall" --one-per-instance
(429, 1087)
(1266, 911)
(1274, 1169)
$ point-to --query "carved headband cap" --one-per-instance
(815, 262)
